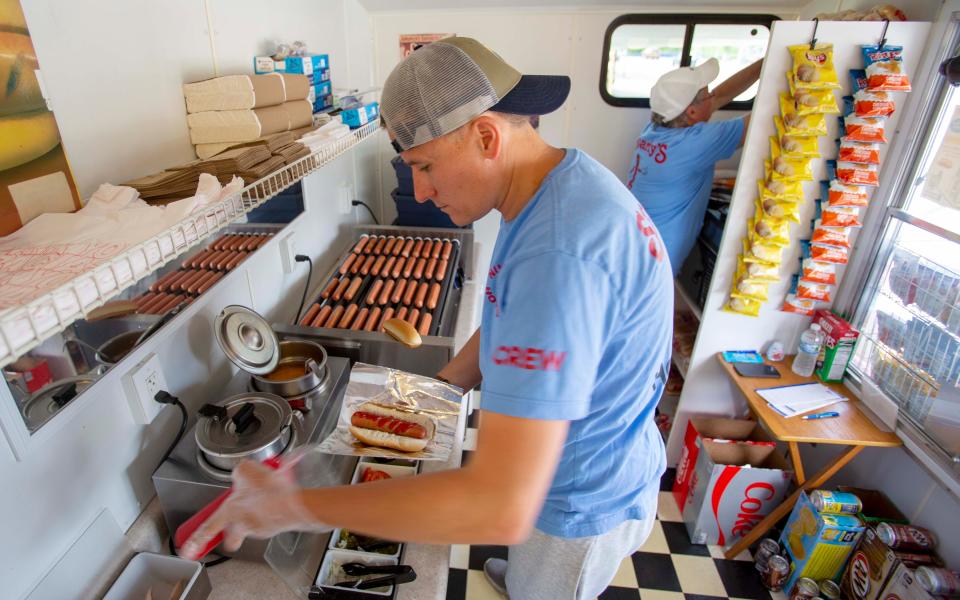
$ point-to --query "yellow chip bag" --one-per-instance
(790, 191)
(743, 306)
(783, 168)
(769, 253)
(811, 101)
(813, 67)
(769, 229)
(758, 271)
(743, 287)
(800, 125)
(780, 209)
(796, 146)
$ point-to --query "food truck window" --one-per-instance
(908, 312)
(638, 49)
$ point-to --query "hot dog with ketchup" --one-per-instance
(378, 425)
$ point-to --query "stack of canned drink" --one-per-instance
(775, 568)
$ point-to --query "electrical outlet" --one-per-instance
(140, 385)
(345, 198)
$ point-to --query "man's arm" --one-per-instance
(738, 83)
(464, 369)
(494, 499)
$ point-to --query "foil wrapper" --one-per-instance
(401, 391)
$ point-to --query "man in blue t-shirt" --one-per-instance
(573, 347)
(671, 171)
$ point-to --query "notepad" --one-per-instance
(794, 400)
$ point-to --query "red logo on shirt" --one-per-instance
(532, 359)
(654, 244)
(657, 151)
(488, 292)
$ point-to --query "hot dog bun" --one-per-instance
(383, 439)
(403, 332)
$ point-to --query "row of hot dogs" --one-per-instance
(385, 277)
(198, 273)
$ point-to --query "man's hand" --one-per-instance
(263, 503)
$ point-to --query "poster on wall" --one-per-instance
(35, 177)
(411, 41)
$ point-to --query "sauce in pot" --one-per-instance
(287, 371)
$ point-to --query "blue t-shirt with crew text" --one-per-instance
(671, 173)
(577, 326)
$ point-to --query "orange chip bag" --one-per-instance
(858, 152)
(884, 67)
(817, 272)
(792, 304)
(819, 292)
(830, 254)
(870, 103)
(836, 193)
(856, 173)
(865, 129)
(840, 216)
(830, 236)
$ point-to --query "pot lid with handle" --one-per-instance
(40, 406)
(243, 424)
(247, 339)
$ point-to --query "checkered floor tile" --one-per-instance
(667, 567)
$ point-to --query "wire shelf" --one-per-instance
(24, 327)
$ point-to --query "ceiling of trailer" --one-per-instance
(712, 5)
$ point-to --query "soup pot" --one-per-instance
(250, 426)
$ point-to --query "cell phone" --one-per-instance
(756, 370)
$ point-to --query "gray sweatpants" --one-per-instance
(552, 568)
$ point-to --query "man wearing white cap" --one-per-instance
(568, 459)
(671, 171)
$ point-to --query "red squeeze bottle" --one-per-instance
(191, 525)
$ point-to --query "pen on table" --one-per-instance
(823, 415)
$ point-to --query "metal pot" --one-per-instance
(113, 350)
(295, 353)
(249, 426)
(40, 406)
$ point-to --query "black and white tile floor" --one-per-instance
(667, 567)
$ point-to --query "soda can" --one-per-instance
(939, 582)
(768, 547)
(775, 573)
(837, 503)
(805, 589)
(916, 559)
(829, 590)
(906, 537)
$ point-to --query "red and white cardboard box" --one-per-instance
(729, 477)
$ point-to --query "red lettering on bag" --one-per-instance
(531, 359)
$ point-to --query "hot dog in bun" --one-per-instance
(378, 425)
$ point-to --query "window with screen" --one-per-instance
(909, 309)
(638, 49)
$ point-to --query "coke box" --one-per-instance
(730, 476)
(818, 545)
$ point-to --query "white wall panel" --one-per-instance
(114, 71)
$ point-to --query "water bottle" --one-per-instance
(806, 360)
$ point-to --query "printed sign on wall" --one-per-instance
(34, 174)
(411, 41)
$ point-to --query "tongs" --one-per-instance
(395, 575)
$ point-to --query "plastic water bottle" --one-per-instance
(806, 360)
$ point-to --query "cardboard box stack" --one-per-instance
(729, 477)
(316, 67)
(228, 111)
